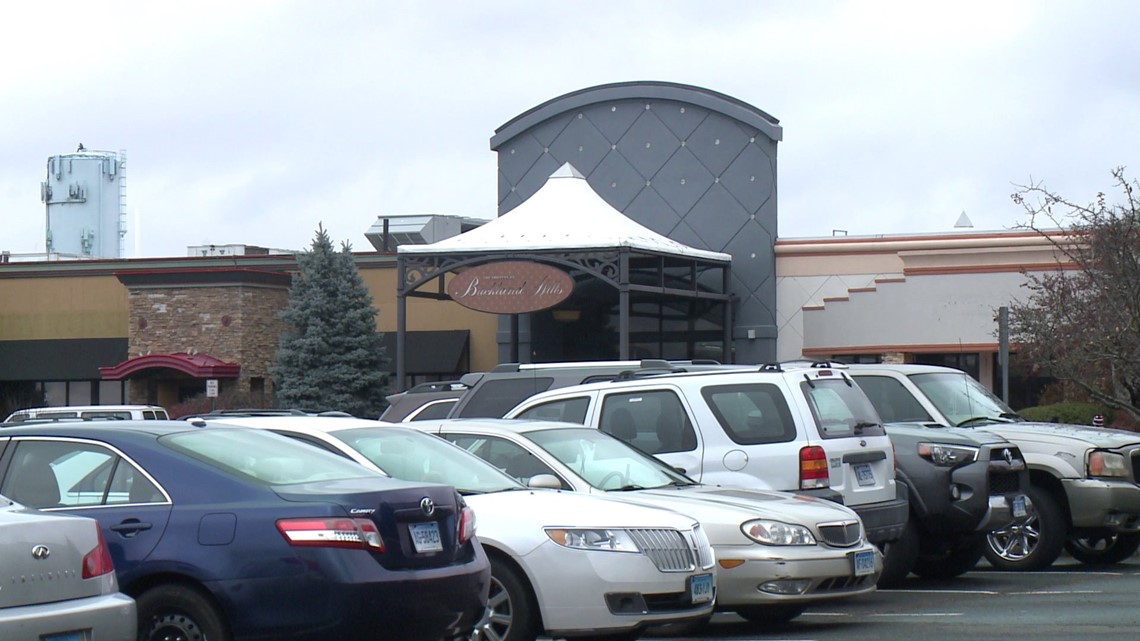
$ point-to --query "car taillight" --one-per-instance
(97, 562)
(358, 534)
(813, 468)
(466, 525)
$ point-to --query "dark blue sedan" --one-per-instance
(230, 534)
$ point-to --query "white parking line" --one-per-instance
(1056, 572)
(918, 614)
(1059, 592)
(948, 591)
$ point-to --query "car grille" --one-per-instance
(672, 551)
(841, 534)
(1004, 483)
(1136, 465)
(842, 583)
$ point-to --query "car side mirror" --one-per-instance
(544, 481)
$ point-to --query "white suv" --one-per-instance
(801, 428)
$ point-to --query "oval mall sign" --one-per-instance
(510, 287)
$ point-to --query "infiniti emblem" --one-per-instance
(40, 552)
(427, 505)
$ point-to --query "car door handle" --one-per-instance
(130, 528)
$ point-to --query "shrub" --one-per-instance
(1074, 412)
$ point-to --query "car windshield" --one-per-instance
(263, 455)
(606, 462)
(962, 399)
(414, 456)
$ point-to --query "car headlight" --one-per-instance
(777, 533)
(1108, 464)
(944, 455)
(602, 539)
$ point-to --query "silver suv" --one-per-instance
(1084, 481)
(793, 428)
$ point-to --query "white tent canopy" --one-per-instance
(565, 214)
(568, 225)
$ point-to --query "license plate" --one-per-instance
(701, 588)
(863, 562)
(425, 537)
(63, 636)
(1019, 506)
(863, 474)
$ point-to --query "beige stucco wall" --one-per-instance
(64, 307)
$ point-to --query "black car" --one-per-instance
(963, 484)
(230, 533)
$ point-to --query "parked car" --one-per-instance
(1084, 490)
(491, 394)
(562, 564)
(424, 401)
(796, 428)
(962, 484)
(777, 553)
(231, 534)
(90, 412)
(73, 593)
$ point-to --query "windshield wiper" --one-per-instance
(862, 425)
(627, 488)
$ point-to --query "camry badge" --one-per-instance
(40, 552)
(427, 505)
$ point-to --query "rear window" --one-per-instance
(751, 413)
(494, 398)
(263, 456)
(841, 409)
(570, 410)
(433, 410)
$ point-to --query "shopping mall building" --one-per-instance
(645, 213)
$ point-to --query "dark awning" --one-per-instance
(196, 365)
(442, 352)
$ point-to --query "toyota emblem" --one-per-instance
(1008, 456)
(40, 552)
(427, 505)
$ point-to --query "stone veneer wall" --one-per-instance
(233, 323)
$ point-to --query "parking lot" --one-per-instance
(1070, 602)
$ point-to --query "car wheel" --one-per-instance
(178, 613)
(1032, 543)
(771, 614)
(1106, 548)
(955, 559)
(899, 556)
(511, 612)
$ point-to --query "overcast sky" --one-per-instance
(254, 122)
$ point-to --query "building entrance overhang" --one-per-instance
(195, 365)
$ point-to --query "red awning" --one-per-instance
(196, 365)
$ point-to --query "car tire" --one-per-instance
(955, 559)
(179, 613)
(512, 614)
(771, 614)
(1109, 548)
(1032, 543)
(900, 556)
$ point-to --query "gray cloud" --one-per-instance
(254, 122)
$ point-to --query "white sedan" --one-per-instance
(776, 552)
(562, 564)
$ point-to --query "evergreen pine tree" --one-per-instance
(332, 357)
